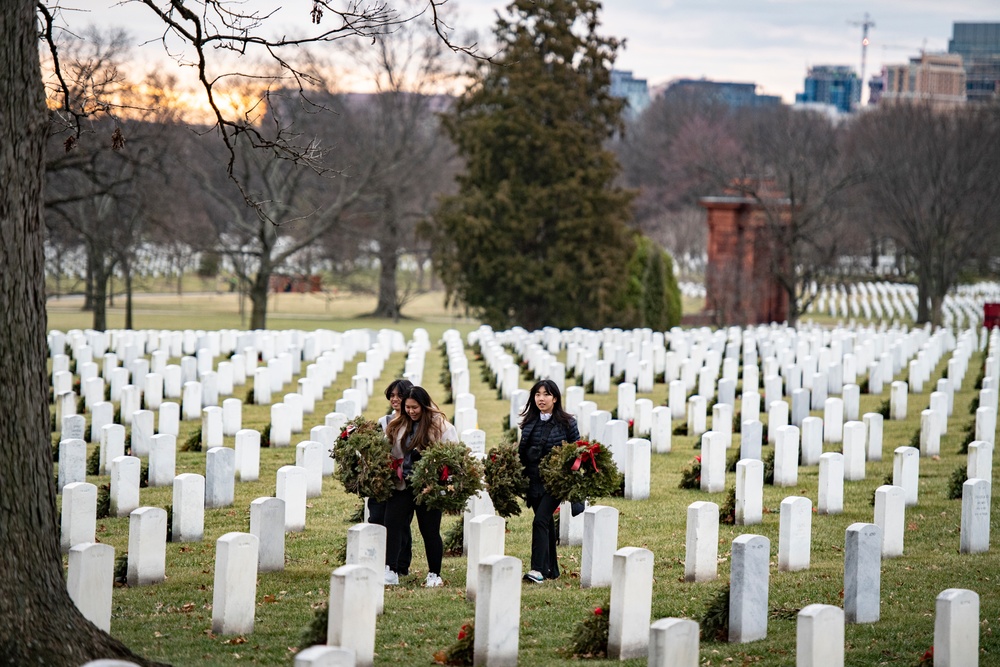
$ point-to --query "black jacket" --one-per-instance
(531, 453)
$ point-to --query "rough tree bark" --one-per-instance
(40, 624)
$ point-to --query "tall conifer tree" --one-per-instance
(537, 233)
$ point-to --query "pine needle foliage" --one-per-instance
(538, 194)
(579, 471)
(505, 479)
(446, 476)
(590, 638)
(364, 460)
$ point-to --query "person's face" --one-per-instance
(413, 409)
(544, 400)
(395, 400)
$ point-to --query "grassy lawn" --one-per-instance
(171, 621)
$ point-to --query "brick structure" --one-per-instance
(741, 287)
(298, 284)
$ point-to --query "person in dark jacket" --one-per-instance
(544, 425)
(394, 393)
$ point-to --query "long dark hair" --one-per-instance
(422, 430)
(400, 386)
(531, 411)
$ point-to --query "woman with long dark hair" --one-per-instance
(544, 425)
(419, 424)
(395, 392)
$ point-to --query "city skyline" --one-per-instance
(771, 43)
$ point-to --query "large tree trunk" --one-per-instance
(99, 298)
(88, 292)
(258, 299)
(923, 291)
(41, 625)
(388, 302)
(128, 295)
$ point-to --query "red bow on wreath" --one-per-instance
(589, 453)
(346, 433)
(444, 473)
(397, 467)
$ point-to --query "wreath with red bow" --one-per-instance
(364, 462)
(578, 471)
(446, 476)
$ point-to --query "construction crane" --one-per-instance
(865, 26)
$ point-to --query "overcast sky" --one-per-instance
(769, 42)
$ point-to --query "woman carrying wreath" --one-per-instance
(394, 393)
(544, 425)
(419, 424)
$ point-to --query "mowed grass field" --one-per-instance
(171, 621)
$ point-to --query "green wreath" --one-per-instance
(364, 461)
(505, 479)
(578, 471)
(446, 476)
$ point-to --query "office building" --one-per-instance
(634, 91)
(937, 79)
(979, 46)
(731, 94)
(836, 85)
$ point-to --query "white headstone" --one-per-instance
(819, 637)
(352, 611)
(79, 514)
(631, 603)
(248, 455)
(600, 541)
(90, 579)
(794, 534)
(147, 546)
(291, 487)
(748, 588)
(975, 532)
(234, 594)
(862, 573)
(267, 522)
(956, 628)
(702, 542)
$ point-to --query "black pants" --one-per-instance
(543, 536)
(376, 514)
(399, 511)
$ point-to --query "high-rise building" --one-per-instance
(937, 79)
(635, 91)
(836, 85)
(979, 46)
(729, 93)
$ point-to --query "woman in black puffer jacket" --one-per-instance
(544, 425)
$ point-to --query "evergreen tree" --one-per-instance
(537, 233)
(651, 297)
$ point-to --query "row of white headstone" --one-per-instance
(961, 307)
(568, 523)
(91, 564)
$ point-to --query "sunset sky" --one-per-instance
(770, 42)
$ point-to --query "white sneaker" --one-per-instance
(433, 580)
(391, 578)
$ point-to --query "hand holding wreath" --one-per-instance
(363, 460)
(578, 471)
(446, 476)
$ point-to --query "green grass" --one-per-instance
(171, 621)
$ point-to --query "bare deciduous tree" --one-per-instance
(932, 186)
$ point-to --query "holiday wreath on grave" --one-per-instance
(461, 652)
(505, 479)
(590, 638)
(446, 476)
(578, 471)
(364, 461)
